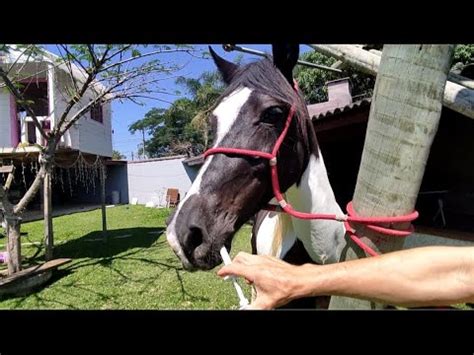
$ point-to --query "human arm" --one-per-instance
(428, 276)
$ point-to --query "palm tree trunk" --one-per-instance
(403, 121)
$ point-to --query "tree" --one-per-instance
(403, 121)
(117, 155)
(183, 127)
(108, 72)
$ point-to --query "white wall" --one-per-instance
(96, 137)
(87, 135)
(5, 124)
(148, 181)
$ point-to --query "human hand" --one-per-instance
(275, 281)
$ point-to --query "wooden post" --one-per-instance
(48, 216)
(102, 189)
(403, 121)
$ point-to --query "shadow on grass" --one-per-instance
(95, 245)
(92, 249)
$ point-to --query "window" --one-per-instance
(96, 113)
(36, 94)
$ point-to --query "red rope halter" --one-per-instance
(370, 222)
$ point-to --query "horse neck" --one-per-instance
(323, 239)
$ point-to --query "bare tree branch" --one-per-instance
(161, 51)
(103, 58)
(127, 96)
(75, 99)
(120, 51)
(90, 47)
(73, 57)
(35, 74)
(86, 108)
(18, 58)
(70, 71)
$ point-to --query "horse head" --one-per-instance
(231, 188)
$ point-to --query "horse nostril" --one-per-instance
(193, 239)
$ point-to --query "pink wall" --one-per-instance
(14, 129)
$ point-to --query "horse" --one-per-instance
(232, 188)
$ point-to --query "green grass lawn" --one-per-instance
(136, 269)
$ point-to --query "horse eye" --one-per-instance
(273, 114)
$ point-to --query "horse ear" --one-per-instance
(285, 57)
(227, 69)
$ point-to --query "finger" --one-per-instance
(235, 269)
(242, 257)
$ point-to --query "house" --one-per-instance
(45, 83)
(83, 148)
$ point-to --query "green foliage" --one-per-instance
(183, 127)
(313, 81)
(117, 155)
(463, 54)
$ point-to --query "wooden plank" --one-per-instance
(19, 150)
(7, 169)
(11, 176)
(49, 265)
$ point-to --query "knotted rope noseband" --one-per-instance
(372, 223)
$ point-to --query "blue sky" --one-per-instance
(124, 114)
(127, 113)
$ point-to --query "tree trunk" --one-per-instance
(403, 121)
(14, 243)
(48, 217)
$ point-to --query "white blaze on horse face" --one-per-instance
(170, 231)
(226, 113)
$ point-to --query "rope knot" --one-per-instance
(373, 223)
